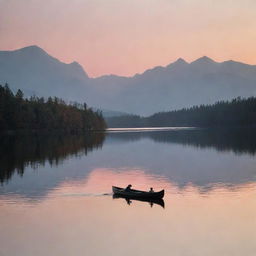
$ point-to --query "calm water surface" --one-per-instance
(55, 193)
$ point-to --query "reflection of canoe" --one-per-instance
(137, 193)
(151, 201)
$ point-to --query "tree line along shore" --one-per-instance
(237, 112)
(38, 113)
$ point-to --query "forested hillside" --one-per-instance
(18, 113)
(238, 112)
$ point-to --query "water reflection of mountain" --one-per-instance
(19, 151)
(237, 140)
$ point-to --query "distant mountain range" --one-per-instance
(178, 85)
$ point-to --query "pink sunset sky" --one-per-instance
(125, 37)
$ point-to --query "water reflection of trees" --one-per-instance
(237, 140)
(20, 150)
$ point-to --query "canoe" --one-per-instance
(133, 193)
(148, 200)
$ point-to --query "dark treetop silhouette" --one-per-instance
(52, 114)
(238, 112)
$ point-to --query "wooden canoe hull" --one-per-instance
(137, 193)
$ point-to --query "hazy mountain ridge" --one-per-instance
(179, 84)
(36, 72)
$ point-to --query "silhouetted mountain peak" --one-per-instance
(76, 66)
(32, 49)
(179, 62)
(203, 60)
(35, 55)
(232, 62)
(29, 51)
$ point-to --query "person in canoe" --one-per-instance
(128, 188)
(151, 190)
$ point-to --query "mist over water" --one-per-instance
(57, 190)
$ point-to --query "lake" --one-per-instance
(56, 193)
